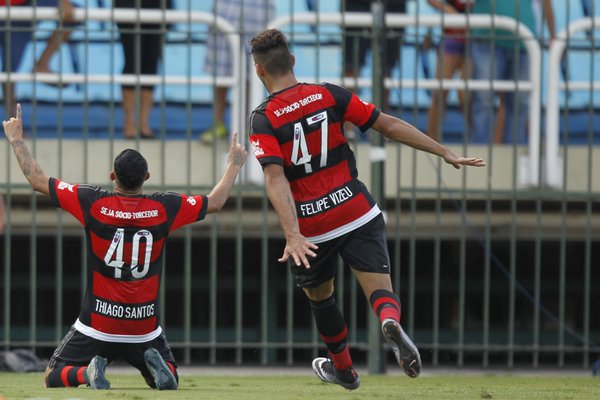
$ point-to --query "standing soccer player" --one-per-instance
(324, 210)
(126, 232)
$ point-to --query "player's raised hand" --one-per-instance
(456, 161)
(237, 152)
(13, 128)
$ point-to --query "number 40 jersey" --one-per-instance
(301, 129)
(125, 241)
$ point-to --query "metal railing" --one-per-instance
(553, 176)
(455, 282)
(142, 15)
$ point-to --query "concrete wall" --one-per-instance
(181, 164)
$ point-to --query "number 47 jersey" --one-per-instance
(301, 129)
(125, 241)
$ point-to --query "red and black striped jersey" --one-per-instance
(301, 128)
(125, 241)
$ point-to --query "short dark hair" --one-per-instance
(131, 169)
(270, 50)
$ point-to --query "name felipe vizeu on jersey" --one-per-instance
(301, 129)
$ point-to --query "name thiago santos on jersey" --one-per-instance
(119, 311)
(125, 242)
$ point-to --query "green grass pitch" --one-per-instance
(306, 387)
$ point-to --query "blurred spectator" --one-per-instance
(586, 7)
(451, 59)
(142, 49)
(249, 17)
(15, 35)
(57, 37)
(501, 55)
(543, 12)
(357, 45)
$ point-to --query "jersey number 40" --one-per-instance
(116, 250)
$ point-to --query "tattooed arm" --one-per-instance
(13, 129)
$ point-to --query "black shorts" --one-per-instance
(357, 45)
(77, 349)
(364, 249)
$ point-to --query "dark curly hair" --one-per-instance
(131, 168)
(270, 50)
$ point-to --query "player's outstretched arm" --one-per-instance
(13, 129)
(400, 131)
(220, 193)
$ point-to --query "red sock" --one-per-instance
(341, 360)
(385, 305)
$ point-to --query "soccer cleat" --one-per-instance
(404, 349)
(95, 373)
(163, 377)
(327, 372)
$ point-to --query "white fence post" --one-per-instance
(553, 176)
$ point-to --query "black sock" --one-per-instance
(66, 376)
(332, 328)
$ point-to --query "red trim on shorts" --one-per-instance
(64, 375)
(337, 338)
